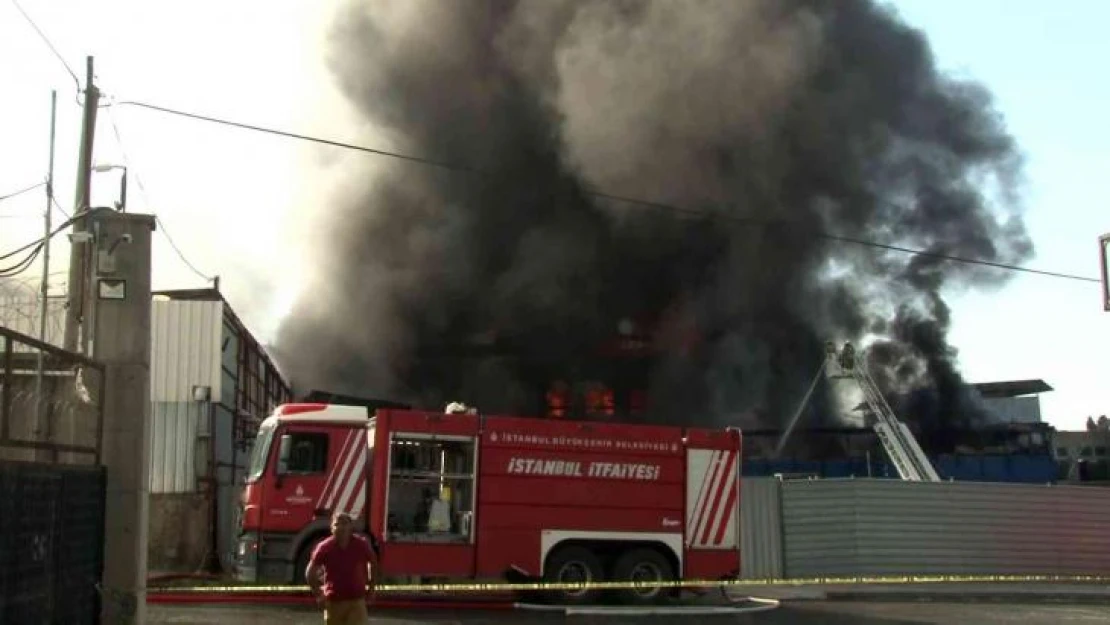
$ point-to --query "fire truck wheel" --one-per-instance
(644, 566)
(302, 559)
(574, 565)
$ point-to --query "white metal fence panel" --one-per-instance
(890, 527)
(760, 529)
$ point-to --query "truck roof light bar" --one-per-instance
(292, 409)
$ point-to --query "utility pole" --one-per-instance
(1104, 267)
(42, 425)
(78, 285)
(120, 285)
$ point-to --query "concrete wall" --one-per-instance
(69, 418)
(179, 533)
(1090, 446)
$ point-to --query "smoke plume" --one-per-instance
(784, 120)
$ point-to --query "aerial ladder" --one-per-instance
(899, 443)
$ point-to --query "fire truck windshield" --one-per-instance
(261, 450)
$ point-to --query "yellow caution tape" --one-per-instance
(624, 585)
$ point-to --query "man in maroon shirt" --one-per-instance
(349, 565)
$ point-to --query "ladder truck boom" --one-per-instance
(897, 440)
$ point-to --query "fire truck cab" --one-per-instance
(459, 495)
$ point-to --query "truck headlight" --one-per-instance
(248, 546)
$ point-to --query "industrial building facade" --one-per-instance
(211, 385)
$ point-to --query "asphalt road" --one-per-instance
(802, 613)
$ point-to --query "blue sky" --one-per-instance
(1045, 62)
(234, 202)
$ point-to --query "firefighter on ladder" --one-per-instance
(847, 357)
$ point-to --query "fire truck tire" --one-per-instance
(643, 565)
(302, 559)
(573, 564)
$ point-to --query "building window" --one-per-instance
(1100, 452)
(1062, 452)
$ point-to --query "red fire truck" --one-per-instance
(457, 495)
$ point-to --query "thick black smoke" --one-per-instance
(784, 119)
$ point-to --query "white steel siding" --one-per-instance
(185, 349)
(174, 427)
(185, 352)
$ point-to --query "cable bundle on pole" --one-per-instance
(35, 248)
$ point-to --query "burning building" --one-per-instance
(652, 209)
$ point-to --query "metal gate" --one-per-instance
(51, 542)
(52, 484)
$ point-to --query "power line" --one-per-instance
(21, 266)
(126, 160)
(21, 191)
(180, 255)
(59, 207)
(293, 135)
(960, 259)
(608, 196)
(146, 198)
(26, 247)
(46, 40)
(36, 246)
(52, 201)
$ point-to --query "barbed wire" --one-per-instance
(20, 310)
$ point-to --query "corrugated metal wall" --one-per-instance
(877, 527)
(185, 352)
(185, 349)
(760, 529)
(174, 427)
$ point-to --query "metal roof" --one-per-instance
(1012, 388)
(215, 295)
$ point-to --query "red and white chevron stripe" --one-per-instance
(711, 485)
(345, 488)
